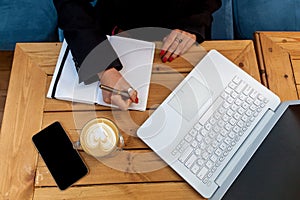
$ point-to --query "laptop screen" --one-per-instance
(274, 170)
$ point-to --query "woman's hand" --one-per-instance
(176, 44)
(114, 79)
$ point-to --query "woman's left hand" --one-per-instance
(176, 44)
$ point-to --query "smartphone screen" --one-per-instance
(63, 161)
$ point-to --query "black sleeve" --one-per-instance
(199, 23)
(77, 20)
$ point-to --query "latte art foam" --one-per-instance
(99, 137)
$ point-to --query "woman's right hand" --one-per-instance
(114, 79)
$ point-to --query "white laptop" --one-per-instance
(205, 126)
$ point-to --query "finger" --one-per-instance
(190, 40)
(106, 96)
(133, 95)
(188, 45)
(171, 50)
(167, 56)
(168, 40)
(162, 52)
(165, 38)
(121, 103)
(178, 50)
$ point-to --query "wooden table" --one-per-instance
(279, 61)
(24, 174)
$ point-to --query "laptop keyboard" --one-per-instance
(214, 139)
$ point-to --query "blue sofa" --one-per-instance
(36, 20)
(239, 19)
(27, 21)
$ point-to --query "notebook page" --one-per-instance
(68, 87)
(136, 57)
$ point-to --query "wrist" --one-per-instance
(106, 72)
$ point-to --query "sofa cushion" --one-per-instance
(263, 15)
(27, 21)
(222, 25)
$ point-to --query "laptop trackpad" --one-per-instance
(189, 99)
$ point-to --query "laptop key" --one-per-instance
(202, 173)
(195, 168)
(190, 161)
(185, 154)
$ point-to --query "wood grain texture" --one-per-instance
(6, 58)
(22, 118)
(296, 69)
(24, 174)
(147, 191)
(129, 166)
(278, 53)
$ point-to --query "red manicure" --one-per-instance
(170, 59)
(164, 59)
(162, 52)
(136, 100)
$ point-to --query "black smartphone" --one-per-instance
(63, 161)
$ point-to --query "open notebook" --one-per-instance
(136, 57)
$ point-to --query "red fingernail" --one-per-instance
(136, 100)
(162, 52)
(170, 59)
(164, 59)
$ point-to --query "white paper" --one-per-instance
(136, 57)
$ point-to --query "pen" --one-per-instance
(124, 94)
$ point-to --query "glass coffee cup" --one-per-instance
(100, 137)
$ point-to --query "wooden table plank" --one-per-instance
(126, 167)
(149, 191)
(289, 41)
(275, 52)
(296, 69)
(127, 122)
(44, 54)
(22, 118)
(161, 86)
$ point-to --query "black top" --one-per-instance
(85, 26)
